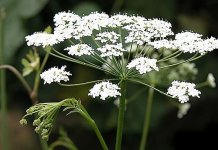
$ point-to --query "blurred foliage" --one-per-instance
(17, 11)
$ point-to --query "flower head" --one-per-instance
(55, 75)
(79, 50)
(118, 20)
(143, 64)
(65, 24)
(104, 90)
(42, 39)
(107, 37)
(189, 42)
(111, 50)
(182, 91)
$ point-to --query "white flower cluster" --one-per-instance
(65, 24)
(143, 64)
(111, 50)
(69, 25)
(42, 39)
(182, 91)
(142, 30)
(139, 30)
(79, 50)
(55, 75)
(104, 90)
(188, 42)
(106, 37)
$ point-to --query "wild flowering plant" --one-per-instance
(127, 48)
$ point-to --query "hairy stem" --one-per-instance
(147, 120)
(120, 121)
(3, 101)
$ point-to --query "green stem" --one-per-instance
(19, 76)
(95, 128)
(120, 121)
(195, 57)
(85, 83)
(140, 82)
(43, 143)
(37, 78)
(62, 143)
(3, 101)
(147, 120)
(203, 84)
(34, 94)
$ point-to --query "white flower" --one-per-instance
(182, 91)
(87, 24)
(211, 80)
(55, 75)
(65, 19)
(159, 28)
(107, 37)
(208, 45)
(188, 42)
(139, 37)
(192, 43)
(79, 50)
(42, 39)
(169, 44)
(95, 20)
(111, 50)
(143, 30)
(104, 90)
(143, 64)
(183, 109)
(65, 24)
(118, 20)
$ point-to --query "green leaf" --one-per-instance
(30, 63)
(48, 29)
